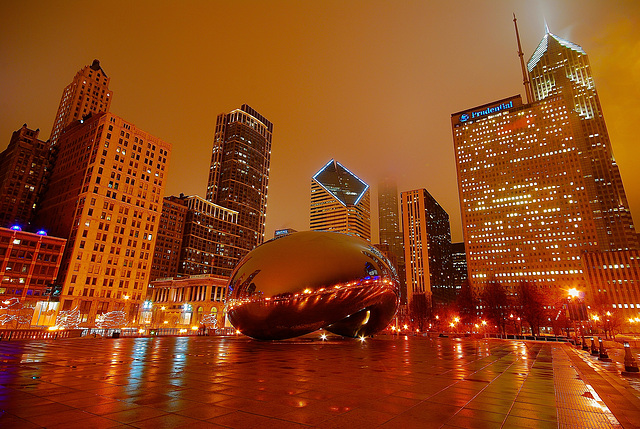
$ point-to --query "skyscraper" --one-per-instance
(459, 261)
(210, 240)
(389, 230)
(23, 166)
(340, 202)
(87, 93)
(166, 253)
(388, 219)
(239, 172)
(105, 197)
(560, 70)
(538, 184)
(427, 247)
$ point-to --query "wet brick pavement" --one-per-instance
(236, 382)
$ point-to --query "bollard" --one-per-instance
(603, 352)
(585, 347)
(594, 349)
(630, 364)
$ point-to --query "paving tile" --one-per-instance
(68, 417)
(136, 414)
(240, 419)
(8, 420)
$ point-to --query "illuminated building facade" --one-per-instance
(340, 202)
(105, 195)
(23, 166)
(29, 264)
(166, 254)
(427, 247)
(560, 69)
(459, 262)
(239, 172)
(186, 302)
(88, 93)
(389, 230)
(210, 243)
(538, 184)
(614, 280)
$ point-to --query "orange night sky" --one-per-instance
(369, 83)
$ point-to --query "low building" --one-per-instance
(29, 264)
(185, 302)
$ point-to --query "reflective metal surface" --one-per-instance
(309, 280)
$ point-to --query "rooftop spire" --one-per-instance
(525, 76)
(546, 27)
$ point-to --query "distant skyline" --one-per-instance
(371, 84)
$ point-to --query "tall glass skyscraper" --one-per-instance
(388, 219)
(340, 202)
(427, 247)
(239, 172)
(538, 183)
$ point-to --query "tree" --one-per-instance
(467, 304)
(420, 310)
(557, 312)
(495, 304)
(531, 305)
(609, 319)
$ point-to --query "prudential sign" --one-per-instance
(478, 113)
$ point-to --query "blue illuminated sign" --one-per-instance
(478, 113)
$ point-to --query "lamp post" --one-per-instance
(573, 293)
(126, 307)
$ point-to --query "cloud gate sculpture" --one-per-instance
(304, 281)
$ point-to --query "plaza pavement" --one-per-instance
(391, 382)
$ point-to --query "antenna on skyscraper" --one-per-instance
(525, 75)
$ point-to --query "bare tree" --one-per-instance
(420, 311)
(530, 304)
(495, 304)
(609, 318)
(557, 312)
(467, 303)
